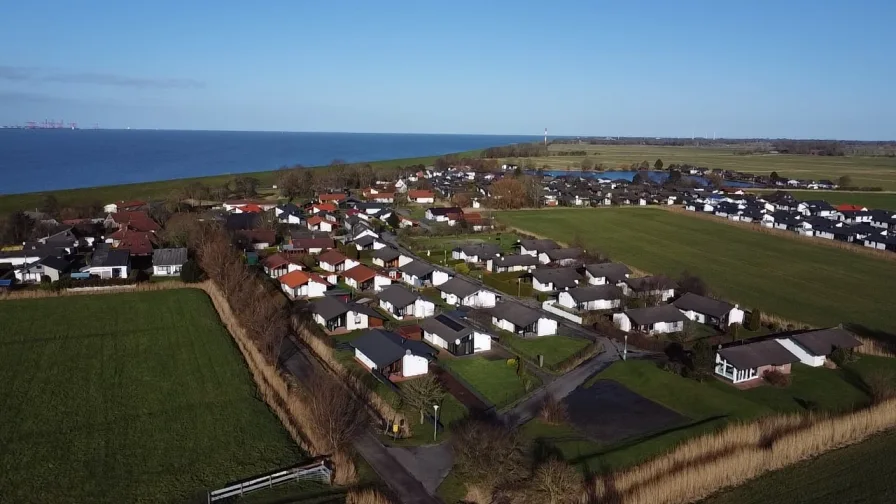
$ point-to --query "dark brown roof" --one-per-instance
(825, 341)
(762, 353)
(649, 283)
(702, 304)
(595, 292)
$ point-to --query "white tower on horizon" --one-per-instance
(545, 137)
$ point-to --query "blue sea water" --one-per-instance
(40, 160)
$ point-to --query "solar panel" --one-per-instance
(451, 323)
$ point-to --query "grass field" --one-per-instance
(861, 473)
(494, 379)
(865, 171)
(131, 397)
(554, 348)
(707, 406)
(156, 190)
(883, 201)
(794, 279)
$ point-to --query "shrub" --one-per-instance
(673, 367)
(776, 378)
(190, 272)
(881, 385)
(843, 356)
(552, 411)
(755, 319)
(462, 269)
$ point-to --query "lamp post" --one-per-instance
(625, 348)
(435, 422)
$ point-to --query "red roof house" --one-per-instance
(332, 198)
(850, 208)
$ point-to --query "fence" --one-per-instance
(549, 306)
(318, 471)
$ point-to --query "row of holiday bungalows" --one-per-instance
(847, 223)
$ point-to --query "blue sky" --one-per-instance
(761, 68)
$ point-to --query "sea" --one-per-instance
(42, 160)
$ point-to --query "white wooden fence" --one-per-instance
(549, 306)
(319, 471)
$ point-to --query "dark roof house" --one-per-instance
(385, 347)
(702, 304)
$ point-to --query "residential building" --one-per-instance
(109, 263)
(455, 335)
(709, 311)
(168, 261)
(391, 355)
(749, 361)
(591, 297)
(522, 321)
(553, 279)
(662, 319)
(458, 291)
(299, 284)
(336, 316)
(814, 347)
(400, 302)
(606, 273)
(503, 264)
(50, 266)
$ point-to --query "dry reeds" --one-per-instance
(366, 496)
(738, 453)
(874, 347)
(552, 411)
(324, 352)
(139, 287)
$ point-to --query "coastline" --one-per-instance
(10, 203)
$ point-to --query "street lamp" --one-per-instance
(625, 348)
(435, 422)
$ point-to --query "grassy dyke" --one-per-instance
(132, 397)
(797, 280)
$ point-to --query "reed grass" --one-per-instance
(736, 454)
(367, 496)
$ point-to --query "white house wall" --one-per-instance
(423, 308)
(503, 324)
(412, 365)
(622, 321)
(364, 360)
(481, 342)
(439, 277)
(542, 287)
(355, 321)
(804, 356)
(546, 327)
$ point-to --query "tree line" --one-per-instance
(516, 150)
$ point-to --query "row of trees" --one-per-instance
(516, 150)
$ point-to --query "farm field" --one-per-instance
(865, 171)
(797, 280)
(876, 200)
(861, 473)
(131, 397)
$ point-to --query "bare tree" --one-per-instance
(337, 417)
(556, 482)
(489, 453)
(420, 394)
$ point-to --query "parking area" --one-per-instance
(607, 412)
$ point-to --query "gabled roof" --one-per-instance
(311, 243)
(825, 341)
(516, 314)
(274, 261)
(326, 207)
(298, 278)
(702, 304)
(420, 193)
(595, 293)
(107, 258)
(139, 220)
(515, 260)
(564, 253)
(761, 353)
(614, 272)
(416, 268)
(459, 287)
(654, 314)
(332, 197)
(169, 257)
(386, 254)
(332, 256)
(365, 240)
(446, 327)
(329, 307)
(648, 283)
(439, 211)
(385, 347)
(562, 278)
(290, 209)
(539, 245)
(398, 296)
(359, 273)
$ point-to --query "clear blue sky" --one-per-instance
(791, 68)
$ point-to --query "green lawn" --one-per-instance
(554, 348)
(862, 473)
(494, 379)
(131, 397)
(440, 243)
(826, 389)
(885, 201)
(799, 280)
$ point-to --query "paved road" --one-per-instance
(409, 490)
